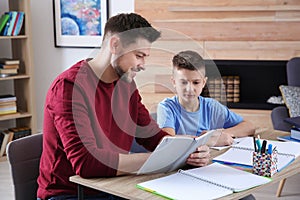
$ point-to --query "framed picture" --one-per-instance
(79, 23)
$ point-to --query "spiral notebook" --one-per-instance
(210, 182)
(241, 153)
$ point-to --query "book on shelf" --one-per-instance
(209, 182)
(241, 154)
(8, 104)
(160, 159)
(3, 21)
(4, 31)
(8, 71)
(9, 61)
(12, 22)
(14, 66)
(8, 110)
(19, 24)
(5, 137)
(20, 132)
(15, 23)
(7, 98)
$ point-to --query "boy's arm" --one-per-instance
(243, 129)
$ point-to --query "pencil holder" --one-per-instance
(265, 164)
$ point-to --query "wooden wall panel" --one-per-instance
(252, 50)
(236, 31)
(249, 28)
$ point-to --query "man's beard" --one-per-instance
(125, 76)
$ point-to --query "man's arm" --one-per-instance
(131, 163)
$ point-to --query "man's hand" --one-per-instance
(200, 157)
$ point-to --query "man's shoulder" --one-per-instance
(70, 74)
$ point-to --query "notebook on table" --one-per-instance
(287, 138)
(241, 153)
(209, 182)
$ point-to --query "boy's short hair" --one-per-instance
(132, 26)
(190, 60)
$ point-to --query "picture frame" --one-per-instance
(79, 23)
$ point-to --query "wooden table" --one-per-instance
(125, 186)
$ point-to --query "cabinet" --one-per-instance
(20, 85)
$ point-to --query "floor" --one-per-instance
(291, 190)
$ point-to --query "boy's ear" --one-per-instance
(204, 81)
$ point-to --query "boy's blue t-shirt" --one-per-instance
(211, 115)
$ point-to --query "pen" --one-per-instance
(270, 149)
(254, 143)
(263, 148)
(258, 144)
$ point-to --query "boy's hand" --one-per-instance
(200, 157)
(224, 140)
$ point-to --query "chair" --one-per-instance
(24, 159)
(279, 113)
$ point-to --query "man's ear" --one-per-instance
(114, 44)
(173, 81)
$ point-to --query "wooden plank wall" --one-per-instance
(231, 29)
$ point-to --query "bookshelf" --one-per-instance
(20, 85)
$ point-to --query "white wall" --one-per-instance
(50, 61)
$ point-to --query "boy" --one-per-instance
(189, 113)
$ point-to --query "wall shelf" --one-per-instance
(20, 85)
(15, 116)
(15, 77)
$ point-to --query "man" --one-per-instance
(93, 112)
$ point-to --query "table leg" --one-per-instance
(280, 187)
(80, 192)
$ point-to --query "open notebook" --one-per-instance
(209, 182)
(241, 153)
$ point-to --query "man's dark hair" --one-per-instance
(190, 60)
(132, 26)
